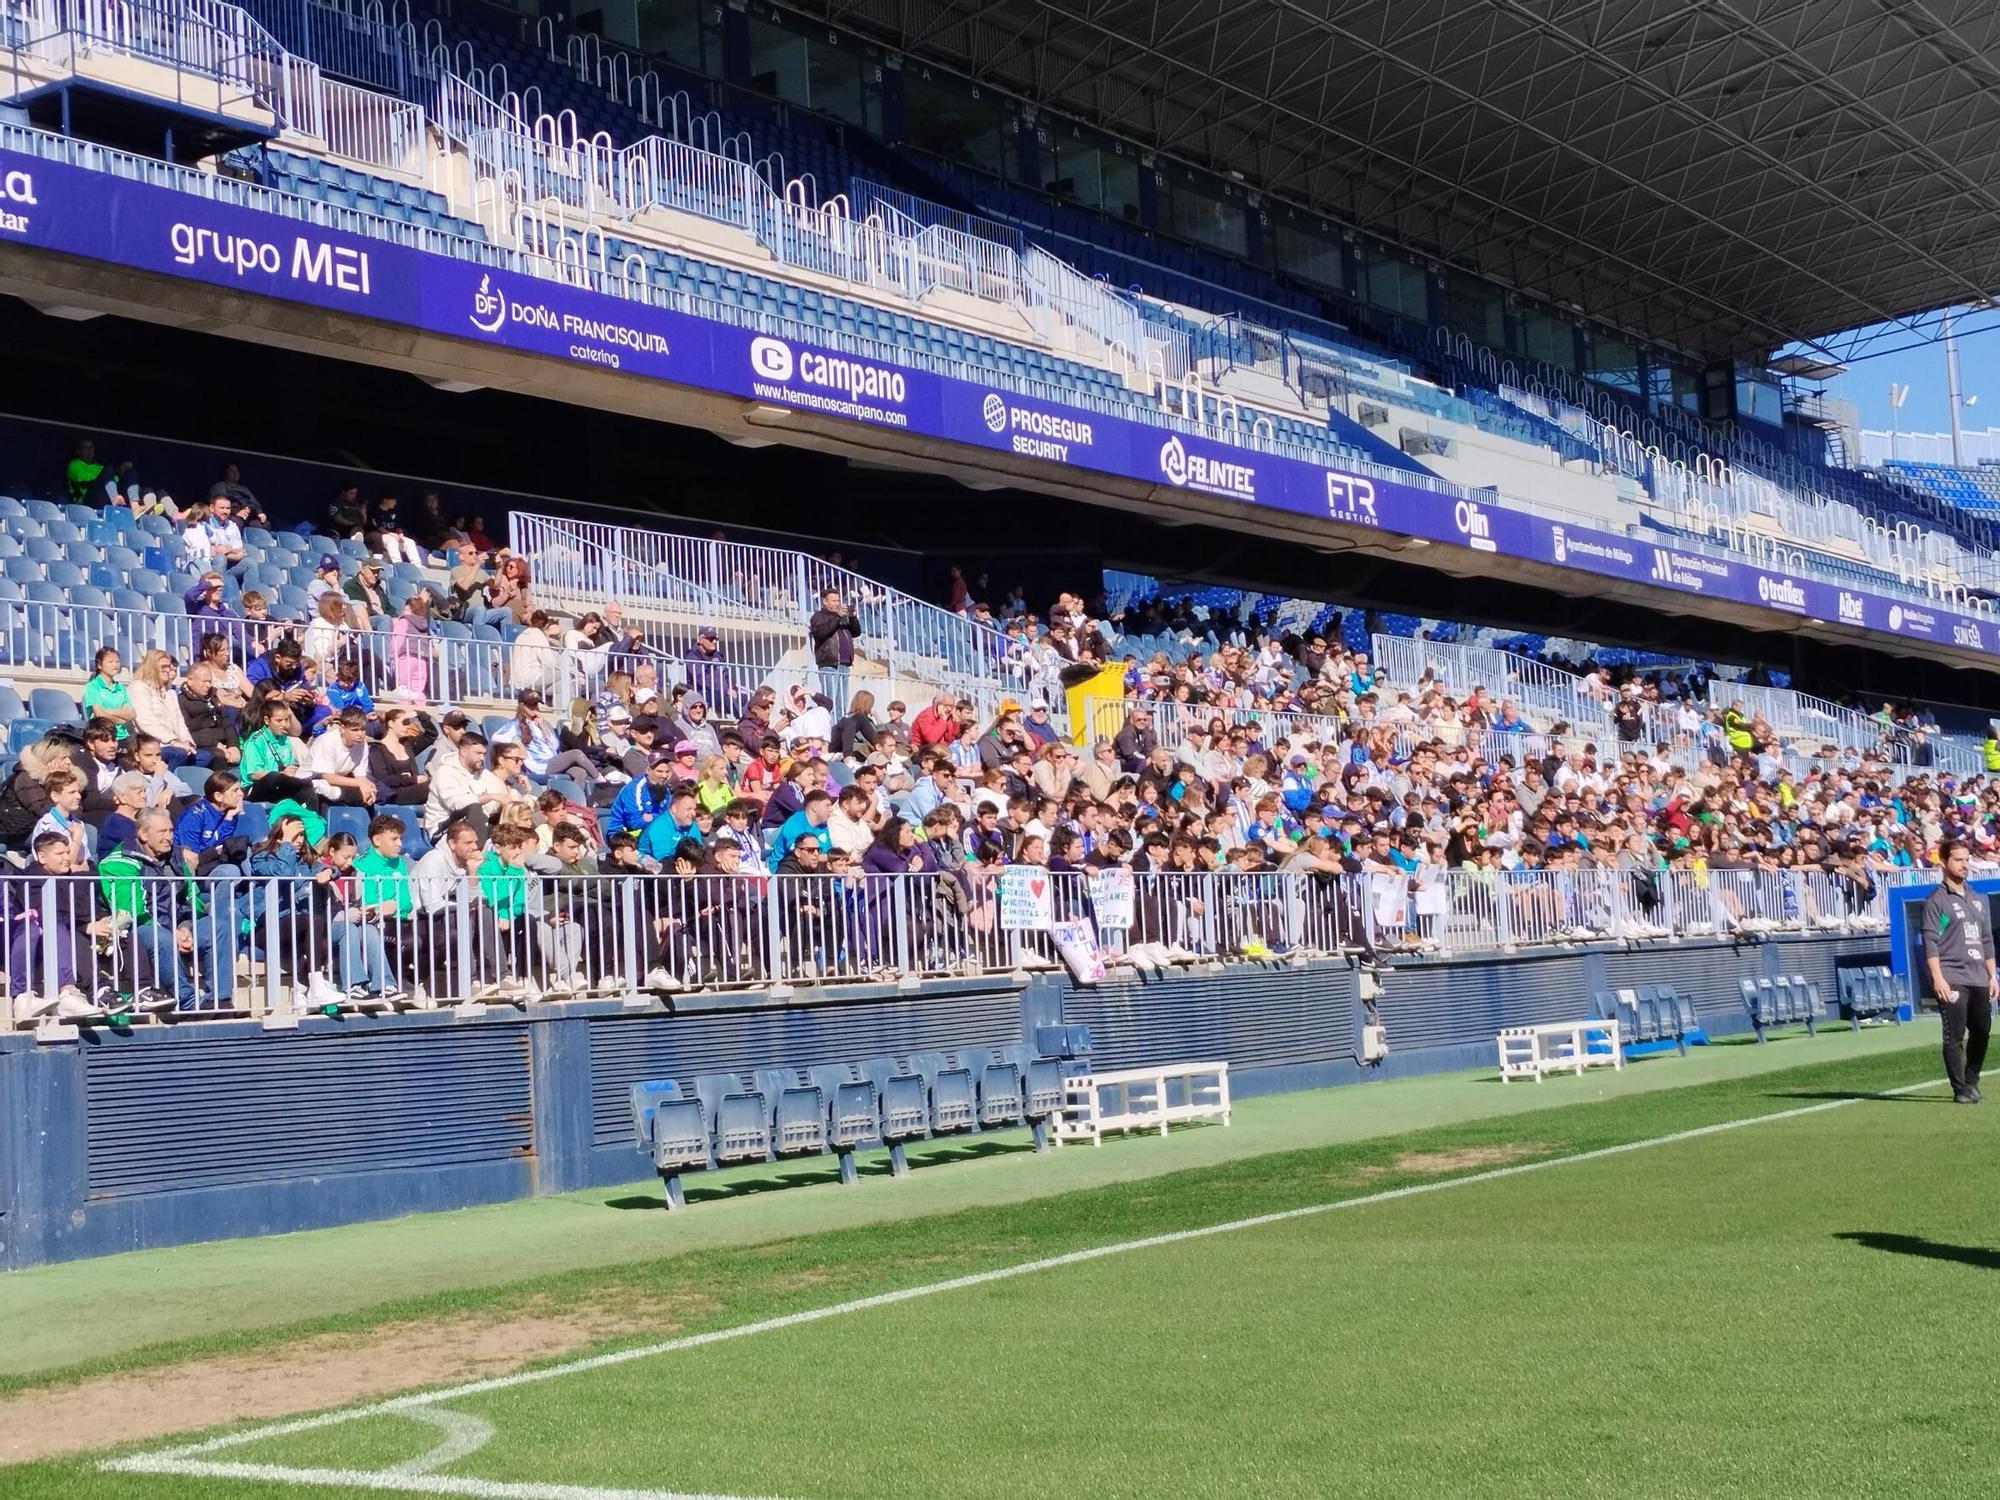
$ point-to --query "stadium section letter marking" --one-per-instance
(189, 1460)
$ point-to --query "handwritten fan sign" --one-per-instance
(1027, 900)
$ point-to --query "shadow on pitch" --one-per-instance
(746, 1187)
(1863, 1094)
(1914, 1244)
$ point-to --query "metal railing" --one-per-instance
(270, 931)
(203, 42)
(362, 125)
(600, 275)
(587, 563)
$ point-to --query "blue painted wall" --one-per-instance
(167, 1135)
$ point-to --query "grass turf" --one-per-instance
(237, 1294)
(1776, 1310)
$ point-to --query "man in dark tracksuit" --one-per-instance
(1958, 951)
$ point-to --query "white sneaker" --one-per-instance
(394, 996)
(660, 978)
(30, 1007)
(320, 992)
(1180, 955)
(73, 1005)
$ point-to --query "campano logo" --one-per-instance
(771, 358)
(993, 410)
(1895, 617)
(1174, 461)
(489, 307)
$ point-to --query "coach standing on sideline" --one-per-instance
(1958, 950)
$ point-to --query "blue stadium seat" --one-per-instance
(854, 1111)
(954, 1101)
(798, 1111)
(22, 733)
(741, 1114)
(354, 820)
(54, 705)
(254, 821)
(905, 1100)
(672, 1129)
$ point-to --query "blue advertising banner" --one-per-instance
(94, 215)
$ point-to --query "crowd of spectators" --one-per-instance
(440, 857)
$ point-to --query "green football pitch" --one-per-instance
(1773, 1284)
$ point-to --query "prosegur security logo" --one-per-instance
(1035, 433)
(1192, 471)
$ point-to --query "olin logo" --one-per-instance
(1473, 526)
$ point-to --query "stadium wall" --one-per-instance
(168, 1135)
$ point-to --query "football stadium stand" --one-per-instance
(803, 860)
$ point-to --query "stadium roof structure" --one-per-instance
(1721, 176)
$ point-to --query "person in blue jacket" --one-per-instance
(641, 799)
(671, 828)
(809, 822)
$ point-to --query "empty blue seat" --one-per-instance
(671, 1128)
(64, 575)
(905, 1101)
(741, 1116)
(54, 705)
(954, 1100)
(798, 1111)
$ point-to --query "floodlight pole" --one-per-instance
(1951, 390)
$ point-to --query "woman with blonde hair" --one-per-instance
(328, 636)
(712, 791)
(156, 708)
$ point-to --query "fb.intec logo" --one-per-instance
(994, 411)
(771, 358)
(1174, 461)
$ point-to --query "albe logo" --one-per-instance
(1895, 617)
(993, 411)
(1174, 461)
(489, 306)
(1473, 525)
(771, 358)
(1852, 610)
(1562, 545)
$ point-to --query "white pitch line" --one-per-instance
(187, 1460)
